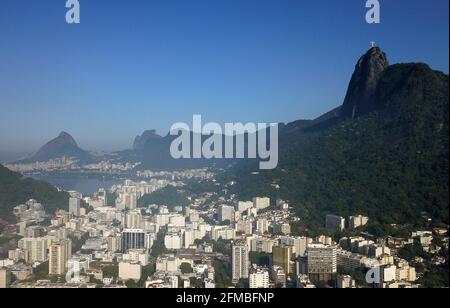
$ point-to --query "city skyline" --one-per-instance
(227, 144)
(128, 68)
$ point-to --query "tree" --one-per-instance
(196, 283)
(409, 252)
(78, 243)
(16, 189)
(390, 164)
(131, 284)
(159, 247)
(111, 271)
(169, 196)
(243, 283)
(222, 278)
(41, 271)
(185, 268)
(147, 271)
(259, 258)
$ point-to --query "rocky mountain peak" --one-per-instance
(66, 138)
(141, 141)
(360, 94)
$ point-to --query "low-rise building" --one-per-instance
(136, 255)
(259, 278)
(130, 270)
(345, 282)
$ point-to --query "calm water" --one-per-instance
(82, 185)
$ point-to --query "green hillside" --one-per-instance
(16, 189)
(390, 163)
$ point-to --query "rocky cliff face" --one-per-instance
(390, 162)
(360, 94)
(140, 142)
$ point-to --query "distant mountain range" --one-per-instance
(153, 151)
(383, 153)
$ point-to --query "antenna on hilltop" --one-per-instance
(373, 44)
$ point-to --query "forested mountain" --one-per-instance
(15, 189)
(383, 153)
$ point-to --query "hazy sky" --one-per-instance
(133, 65)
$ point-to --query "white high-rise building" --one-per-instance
(240, 261)
(18, 254)
(173, 241)
(388, 273)
(226, 212)
(322, 261)
(5, 278)
(189, 238)
(36, 247)
(134, 219)
(262, 244)
(224, 232)
(357, 221)
(244, 226)
(261, 203)
(299, 244)
(162, 219)
(262, 226)
(114, 242)
(243, 206)
(74, 206)
(127, 200)
(177, 220)
(137, 255)
(59, 253)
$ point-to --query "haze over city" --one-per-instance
(338, 179)
(127, 68)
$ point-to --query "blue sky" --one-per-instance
(133, 65)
